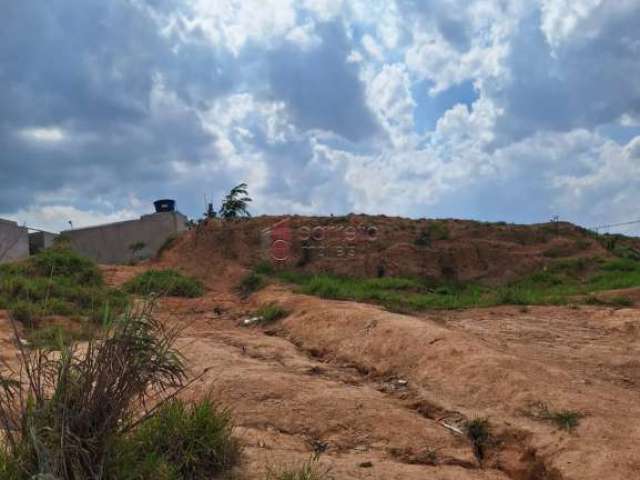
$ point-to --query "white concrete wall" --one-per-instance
(111, 243)
(14, 241)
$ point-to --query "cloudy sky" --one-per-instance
(511, 110)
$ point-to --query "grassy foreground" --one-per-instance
(104, 411)
(562, 282)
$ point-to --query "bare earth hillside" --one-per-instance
(385, 396)
(361, 245)
(365, 385)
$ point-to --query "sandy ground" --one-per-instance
(380, 395)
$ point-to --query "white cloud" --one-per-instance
(389, 96)
(488, 26)
(233, 23)
(609, 191)
(560, 18)
(44, 134)
(629, 120)
(271, 86)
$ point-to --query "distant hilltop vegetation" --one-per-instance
(379, 246)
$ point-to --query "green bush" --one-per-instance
(326, 287)
(58, 282)
(182, 441)
(69, 408)
(60, 262)
(545, 279)
(165, 283)
(10, 466)
(562, 281)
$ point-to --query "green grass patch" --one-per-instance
(165, 283)
(563, 419)
(566, 419)
(58, 281)
(179, 441)
(57, 337)
(56, 262)
(562, 282)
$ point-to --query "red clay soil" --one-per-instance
(385, 396)
(395, 390)
(358, 245)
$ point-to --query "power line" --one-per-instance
(622, 224)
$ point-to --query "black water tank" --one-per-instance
(165, 205)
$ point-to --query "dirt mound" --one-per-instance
(495, 364)
(452, 250)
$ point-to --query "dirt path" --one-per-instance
(380, 395)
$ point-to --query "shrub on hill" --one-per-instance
(61, 262)
(58, 282)
(165, 283)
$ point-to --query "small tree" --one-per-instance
(236, 202)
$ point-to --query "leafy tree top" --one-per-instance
(236, 202)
